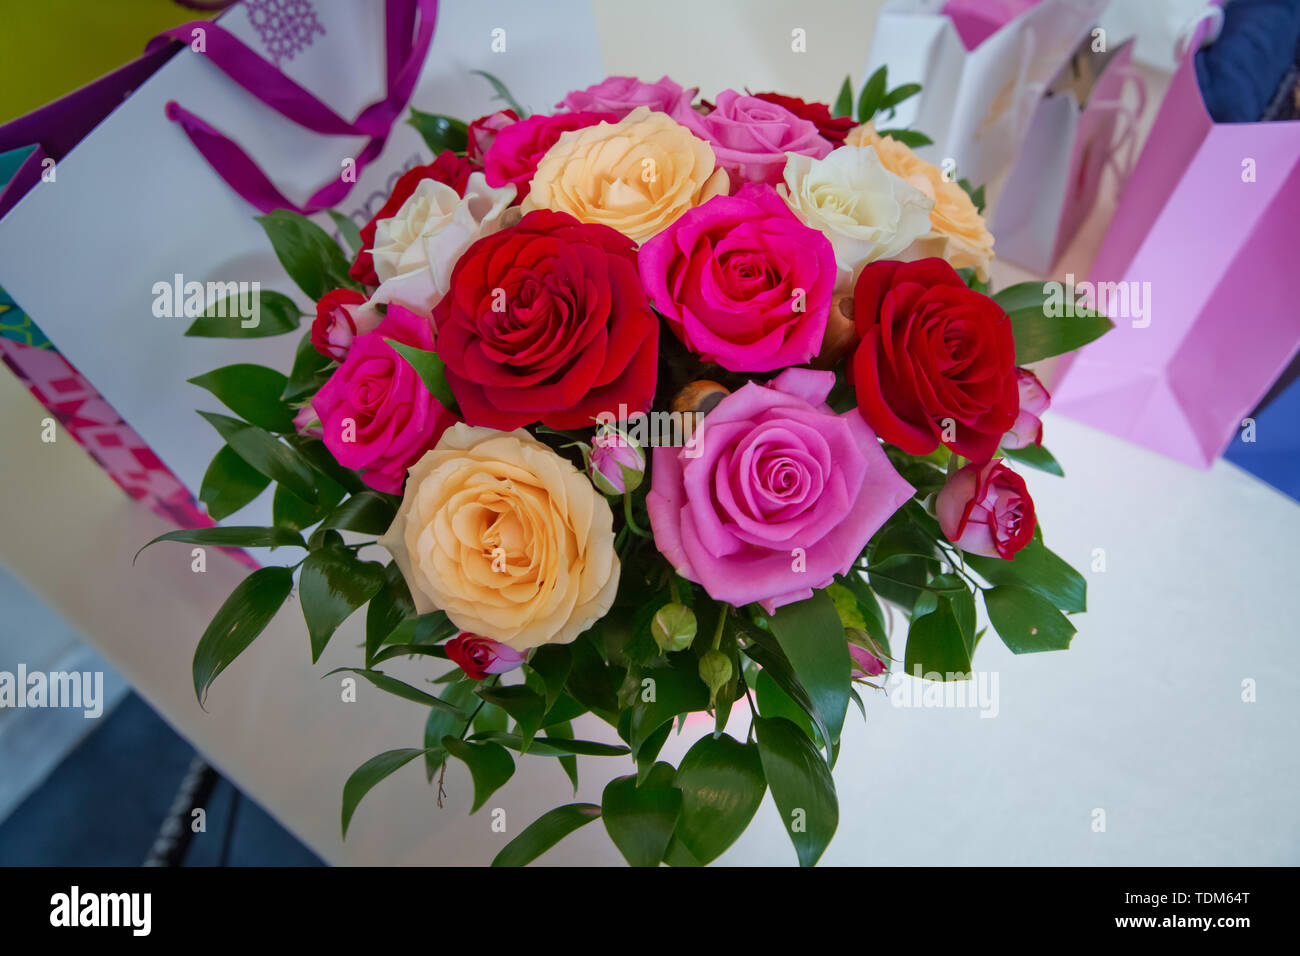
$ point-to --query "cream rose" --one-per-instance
(866, 211)
(506, 537)
(637, 175)
(415, 250)
(954, 217)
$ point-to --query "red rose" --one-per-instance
(517, 149)
(339, 320)
(986, 509)
(936, 364)
(483, 132)
(833, 128)
(547, 321)
(447, 168)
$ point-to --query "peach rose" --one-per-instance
(637, 175)
(506, 537)
(954, 216)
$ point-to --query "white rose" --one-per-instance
(417, 248)
(867, 212)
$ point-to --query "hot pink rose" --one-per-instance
(742, 282)
(622, 94)
(483, 132)
(376, 414)
(986, 509)
(775, 495)
(751, 137)
(340, 318)
(518, 148)
(479, 657)
(1034, 400)
(865, 663)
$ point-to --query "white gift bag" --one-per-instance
(976, 105)
(1085, 125)
(135, 204)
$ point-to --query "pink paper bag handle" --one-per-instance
(406, 46)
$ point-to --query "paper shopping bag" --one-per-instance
(135, 203)
(976, 105)
(1198, 272)
(1084, 126)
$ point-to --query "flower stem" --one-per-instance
(631, 522)
(722, 620)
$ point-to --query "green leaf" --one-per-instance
(425, 629)
(774, 702)
(431, 371)
(229, 484)
(275, 313)
(252, 392)
(308, 373)
(544, 832)
(872, 95)
(676, 689)
(554, 746)
(1036, 456)
(894, 554)
(526, 707)
(403, 690)
(322, 462)
(312, 258)
(801, 785)
(908, 137)
(591, 681)
(813, 639)
(1038, 569)
(440, 132)
(764, 649)
(640, 819)
(844, 102)
(502, 93)
(976, 195)
(935, 642)
(368, 512)
(390, 606)
(440, 723)
(236, 625)
(290, 511)
(899, 94)
(489, 764)
(233, 537)
(348, 230)
(333, 584)
(267, 454)
(1026, 621)
(1039, 335)
(551, 662)
(868, 607)
(409, 650)
(722, 785)
(365, 777)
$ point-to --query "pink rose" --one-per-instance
(518, 148)
(622, 94)
(742, 282)
(615, 463)
(751, 137)
(775, 495)
(376, 414)
(1034, 400)
(340, 318)
(307, 423)
(483, 133)
(986, 509)
(479, 657)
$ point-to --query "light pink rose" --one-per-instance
(986, 509)
(622, 94)
(1034, 400)
(751, 137)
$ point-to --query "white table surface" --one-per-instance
(1143, 718)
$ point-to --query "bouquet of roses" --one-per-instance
(651, 402)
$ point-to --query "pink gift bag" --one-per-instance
(1198, 271)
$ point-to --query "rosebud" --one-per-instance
(986, 509)
(341, 316)
(307, 423)
(480, 656)
(867, 658)
(1034, 400)
(715, 671)
(482, 133)
(615, 462)
(673, 627)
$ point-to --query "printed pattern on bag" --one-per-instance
(285, 27)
